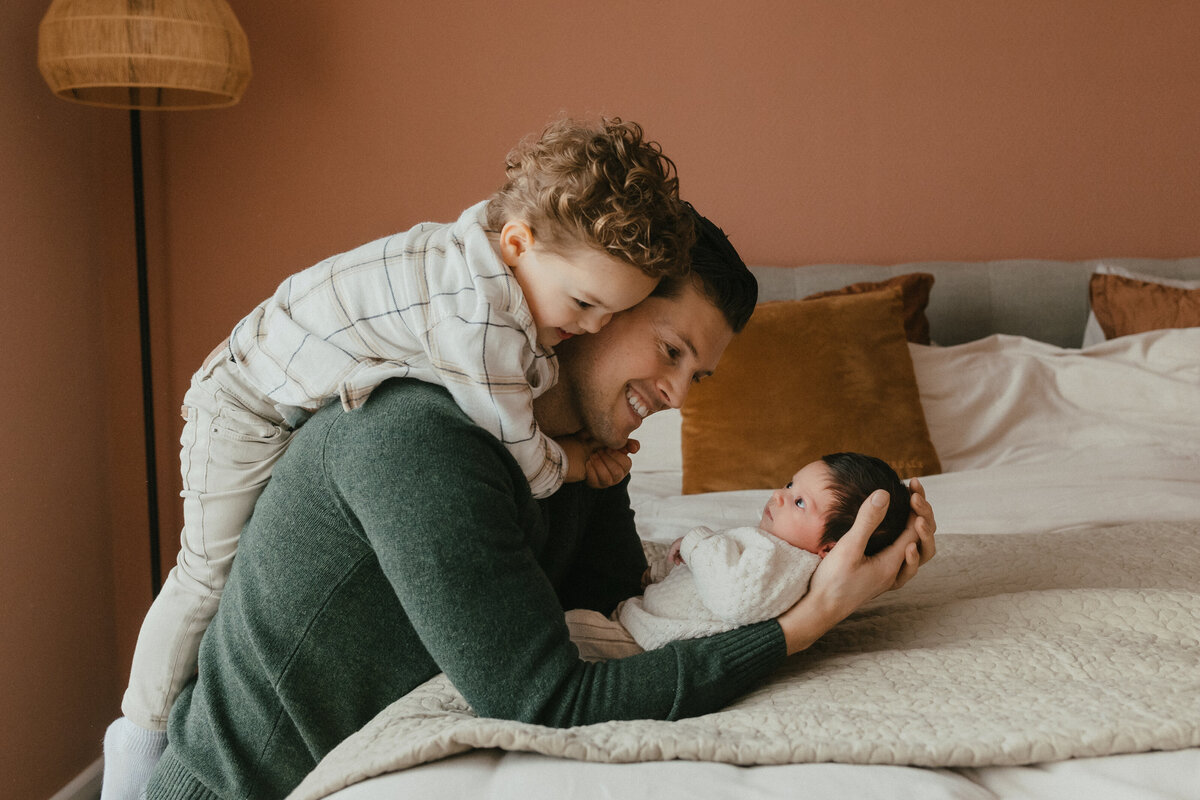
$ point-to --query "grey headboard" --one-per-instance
(1045, 300)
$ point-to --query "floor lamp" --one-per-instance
(130, 54)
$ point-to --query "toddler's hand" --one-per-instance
(606, 467)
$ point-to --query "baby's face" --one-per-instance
(796, 513)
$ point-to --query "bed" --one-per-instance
(1051, 650)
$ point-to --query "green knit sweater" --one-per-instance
(398, 541)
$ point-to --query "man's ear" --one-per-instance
(516, 237)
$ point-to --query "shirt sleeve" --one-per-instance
(445, 518)
(493, 374)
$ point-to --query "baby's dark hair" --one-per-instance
(852, 478)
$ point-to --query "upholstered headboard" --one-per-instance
(1044, 300)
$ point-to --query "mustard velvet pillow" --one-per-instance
(1124, 306)
(806, 378)
(914, 288)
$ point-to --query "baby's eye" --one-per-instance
(800, 502)
(789, 485)
(583, 304)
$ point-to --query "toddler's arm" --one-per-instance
(493, 376)
(576, 454)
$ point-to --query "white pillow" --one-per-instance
(1092, 333)
(1008, 399)
(659, 436)
(658, 466)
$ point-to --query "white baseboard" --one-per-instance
(86, 785)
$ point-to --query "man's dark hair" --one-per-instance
(718, 272)
(853, 476)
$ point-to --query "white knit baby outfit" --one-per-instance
(730, 578)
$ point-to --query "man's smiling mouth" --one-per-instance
(636, 404)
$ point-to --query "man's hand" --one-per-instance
(847, 578)
(920, 520)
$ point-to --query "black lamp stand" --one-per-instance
(139, 213)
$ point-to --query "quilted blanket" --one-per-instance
(1005, 650)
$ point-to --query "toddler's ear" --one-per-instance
(516, 237)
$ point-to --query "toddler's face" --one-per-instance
(577, 290)
(796, 513)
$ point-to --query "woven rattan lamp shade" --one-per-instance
(148, 54)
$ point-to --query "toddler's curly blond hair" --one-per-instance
(601, 185)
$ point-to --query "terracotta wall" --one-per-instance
(813, 131)
(68, 490)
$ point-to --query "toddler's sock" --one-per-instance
(130, 754)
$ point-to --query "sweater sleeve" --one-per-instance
(450, 519)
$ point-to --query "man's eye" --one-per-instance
(673, 353)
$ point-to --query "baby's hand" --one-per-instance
(673, 555)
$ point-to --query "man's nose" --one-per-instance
(673, 389)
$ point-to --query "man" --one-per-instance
(400, 540)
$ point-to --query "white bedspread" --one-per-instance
(1008, 650)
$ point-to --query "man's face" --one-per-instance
(646, 359)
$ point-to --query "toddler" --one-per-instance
(586, 224)
(713, 581)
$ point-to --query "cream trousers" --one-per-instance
(231, 440)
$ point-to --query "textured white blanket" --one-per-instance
(1005, 650)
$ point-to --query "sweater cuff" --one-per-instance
(172, 780)
(754, 649)
(732, 663)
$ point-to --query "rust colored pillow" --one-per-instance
(1126, 305)
(915, 287)
(806, 378)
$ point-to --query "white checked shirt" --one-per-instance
(435, 303)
